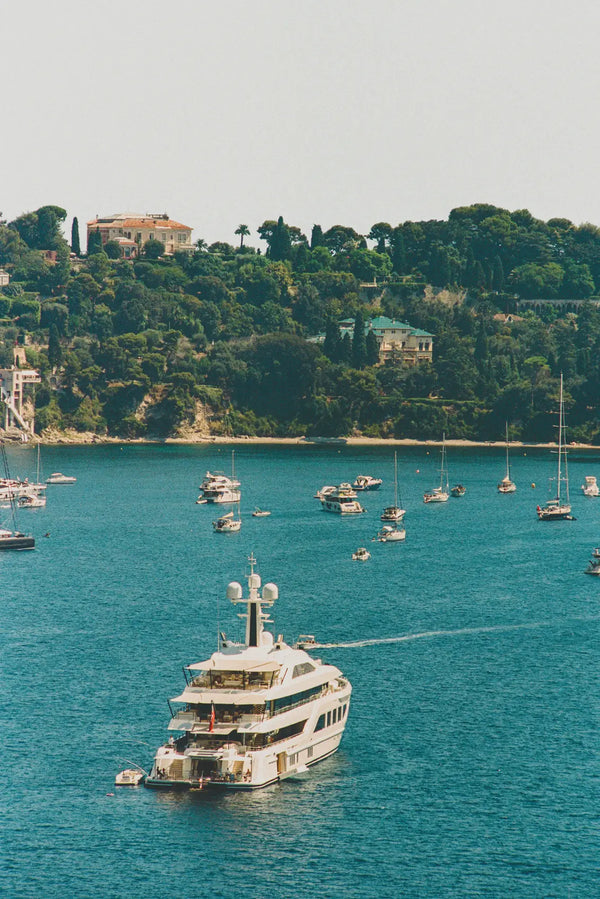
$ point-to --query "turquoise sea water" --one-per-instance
(470, 764)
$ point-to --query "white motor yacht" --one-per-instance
(367, 482)
(216, 487)
(590, 488)
(255, 712)
(59, 478)
(130, 777)
(342, 500)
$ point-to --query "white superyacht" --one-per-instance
(253, 713)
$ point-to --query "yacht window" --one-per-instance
(304, 668)
(320, 722)
(287, 702)
(328, 718)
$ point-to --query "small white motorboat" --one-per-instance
(590, 488)
(361, 554)
(458, 490)
(260, 513)
(130, 777)
(59, 478)
(306, 641)
(390, 534)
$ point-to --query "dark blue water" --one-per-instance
(470, 764)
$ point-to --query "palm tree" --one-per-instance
(243, 231)
(201, 244)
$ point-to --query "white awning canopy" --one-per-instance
(234, 663)
(235, 697)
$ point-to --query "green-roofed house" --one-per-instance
(396, 339)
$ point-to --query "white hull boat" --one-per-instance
(590, 488)
(557, 508)
(254, 713)
(440, 494)
(506, 485)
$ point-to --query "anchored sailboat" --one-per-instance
(440, 494)
(228, 524)
(395, 512)
(559, 509)
(506, 485)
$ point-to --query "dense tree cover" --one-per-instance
(140, 348)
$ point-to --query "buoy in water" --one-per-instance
(533, 485)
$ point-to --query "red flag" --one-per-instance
(212, 719)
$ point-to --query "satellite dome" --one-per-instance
(234, 590)
(270, 592)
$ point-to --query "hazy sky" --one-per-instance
(322, 111)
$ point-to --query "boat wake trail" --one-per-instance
(456, 633)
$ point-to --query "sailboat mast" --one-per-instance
(560, 424)
(507, 464)
(395, 479)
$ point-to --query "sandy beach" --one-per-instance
(74, 438)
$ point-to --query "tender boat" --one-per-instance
(458, 490)
(254, 713)
(440, 494)
(58, 478)
(130, 777)
(391, 534)
(590, 488)
(366, 482)
(593, 567)
(260, 513)
(506, 485)
(305, 641)
(395, 512)
(342, 500)
(557, 508)
(361, 554)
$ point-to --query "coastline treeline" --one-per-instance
(217, 340)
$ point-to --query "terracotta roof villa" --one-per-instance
(131, 231)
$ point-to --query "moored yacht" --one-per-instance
(559, 507)
(440, 494)
(366, 482)
(216, 487)
(507, 485)
(395, 512)
(253, 713)
(342, 500)
(590, 488)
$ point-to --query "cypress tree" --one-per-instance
(498, 275)
(346, 349)
(316, 237)
(54, 347)
(281, 244)
(372, 348)
(331, 347)
(75, 245)
(359, 343)
(94, 242)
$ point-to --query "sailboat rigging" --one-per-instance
(440, 494)
(395, 512)
(557, 508)
(12, 539)
(228, 524)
